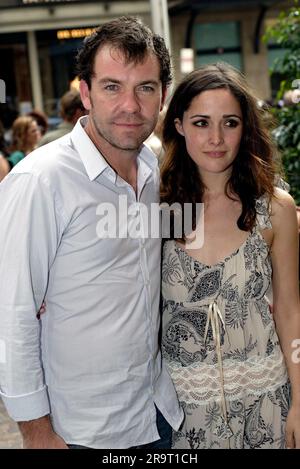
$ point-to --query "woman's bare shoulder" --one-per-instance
(283, 207)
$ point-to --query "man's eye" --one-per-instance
(147, 88)
(111, 87)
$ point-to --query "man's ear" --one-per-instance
(178, 126)
(85, 94)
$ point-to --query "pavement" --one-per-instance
(9, 434)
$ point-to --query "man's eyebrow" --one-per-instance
(110, 79)
(149, 82)
(115, 80)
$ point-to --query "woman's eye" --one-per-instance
(231, 123)
(201, 123)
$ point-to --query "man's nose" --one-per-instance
(130, 102)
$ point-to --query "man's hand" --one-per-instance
(39, 434)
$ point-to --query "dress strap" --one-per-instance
(263, 206)
(263, 213)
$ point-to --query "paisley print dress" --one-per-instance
(221, 347)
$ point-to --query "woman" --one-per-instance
(41, 119)
(25, 137)
(230, 354)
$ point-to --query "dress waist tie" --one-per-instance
(215, 320)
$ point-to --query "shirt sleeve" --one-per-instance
(30, 230)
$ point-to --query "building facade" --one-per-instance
(39, 40)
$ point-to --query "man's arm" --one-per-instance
(39, 434)
(31, 228)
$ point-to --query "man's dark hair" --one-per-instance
(130, 36)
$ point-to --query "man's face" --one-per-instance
(124, 100)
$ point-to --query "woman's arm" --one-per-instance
(284, 254)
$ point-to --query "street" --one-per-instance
(9, 434)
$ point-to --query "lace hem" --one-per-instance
(200, 383)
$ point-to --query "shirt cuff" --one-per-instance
(28, 406)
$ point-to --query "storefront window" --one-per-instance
(215, 42)
(57, 67)
(15, 73)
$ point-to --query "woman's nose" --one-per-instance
(216, 136)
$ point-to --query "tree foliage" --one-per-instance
(286, 33)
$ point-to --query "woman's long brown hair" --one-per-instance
(20, 129)
(254, 168)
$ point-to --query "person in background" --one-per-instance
(71, 108)
(3, 142)
(4, 164)
(89, 372)
(41, 119)
(154, 141)
(25, 137)
(231, 357)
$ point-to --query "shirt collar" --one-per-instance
(92, 159)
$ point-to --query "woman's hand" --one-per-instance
(42, 310)
(292, 430)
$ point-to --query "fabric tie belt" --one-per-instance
(215, 321)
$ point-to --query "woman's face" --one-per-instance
(33, 134)
(212, 127)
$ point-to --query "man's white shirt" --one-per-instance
(93, 360)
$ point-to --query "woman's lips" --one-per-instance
(215, 154)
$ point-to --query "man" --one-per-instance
(71, 109)
(95, 378)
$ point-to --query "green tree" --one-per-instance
(286, 33)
